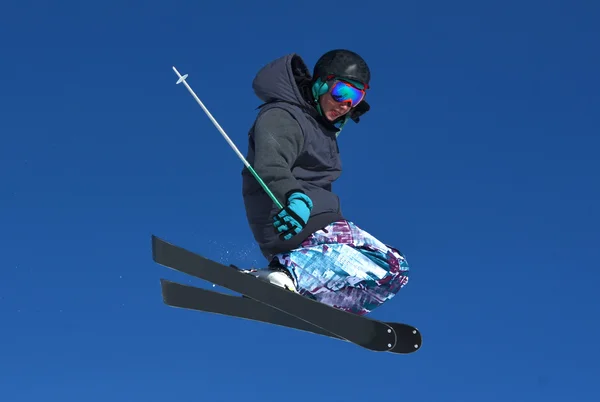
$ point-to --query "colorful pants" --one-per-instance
(347, 268)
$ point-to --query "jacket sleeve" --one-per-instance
(278, 140)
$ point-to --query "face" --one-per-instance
(332, 109)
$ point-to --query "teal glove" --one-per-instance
(290, 220)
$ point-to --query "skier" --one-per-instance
(311, 247)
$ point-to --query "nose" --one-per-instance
(345, 105)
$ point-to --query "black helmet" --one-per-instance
(344, 64)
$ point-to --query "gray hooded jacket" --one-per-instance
(292, 148)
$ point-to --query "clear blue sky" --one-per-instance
(479, 160)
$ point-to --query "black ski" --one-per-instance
(188, 297)
(363, 331)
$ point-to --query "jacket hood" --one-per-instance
(285, 79)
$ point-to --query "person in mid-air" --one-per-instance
(311, 247)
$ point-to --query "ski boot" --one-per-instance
(273, 274)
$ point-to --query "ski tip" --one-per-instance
(154, 243)
(411, 339)
(163, 288)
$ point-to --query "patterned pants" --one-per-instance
(347, 268)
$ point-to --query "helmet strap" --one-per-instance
(319, 88)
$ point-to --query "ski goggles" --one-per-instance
(343, 91)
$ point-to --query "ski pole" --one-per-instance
(182, 79)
